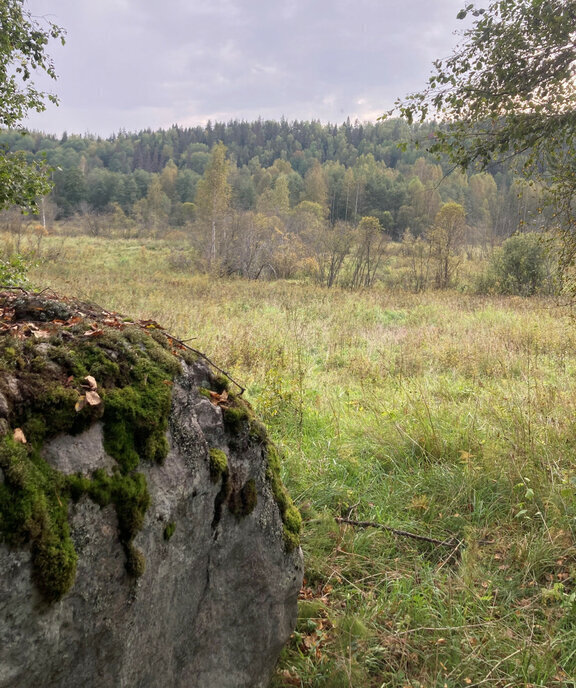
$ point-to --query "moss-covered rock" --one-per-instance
(67, 365)
(33, 509)
(218, 464)
(242, 502)
(72, 512)
(48, 352)
(291, 519)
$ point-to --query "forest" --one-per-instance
(281, 200)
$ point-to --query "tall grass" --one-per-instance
(442, 414)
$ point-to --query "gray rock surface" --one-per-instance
(216, 602)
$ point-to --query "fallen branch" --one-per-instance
(451, 542)
(183, 344)
(199, 353)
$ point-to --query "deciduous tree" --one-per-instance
(446, 238)
(23, 42)
(212, 200)
(370, 247)
(509, 89)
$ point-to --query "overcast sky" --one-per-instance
(136, 64)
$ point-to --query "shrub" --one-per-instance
(14, 271)
(520, 266)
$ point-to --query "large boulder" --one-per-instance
(147, 539)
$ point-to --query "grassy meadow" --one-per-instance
(443, 414)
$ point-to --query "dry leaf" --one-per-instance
(289, 679)
(150, 325)
(93, 398)
(19, 436)
(90, 382)
(219, 399)
(80, 404)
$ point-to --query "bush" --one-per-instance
(521, 266)
(14, 270)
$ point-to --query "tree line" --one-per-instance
(275, 198)
(351, 170)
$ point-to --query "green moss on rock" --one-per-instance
(128, 493)
(221, 383)
(218, 464)
(135, 562)
(291, 519)
(33, 510)
(135, 423)
(54, 565)
(169, 530)
(134, 373)
(242, 502)
(235, 416)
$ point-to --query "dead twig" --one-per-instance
(4, 287)
(232, 380)
(451, 542)
(182, 343)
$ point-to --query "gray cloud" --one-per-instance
(138, 63)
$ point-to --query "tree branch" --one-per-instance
(453, 542)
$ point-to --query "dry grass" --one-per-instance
(444, 414)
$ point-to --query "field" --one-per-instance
(446, 415)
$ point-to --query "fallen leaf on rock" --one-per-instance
(219, 399)
(19, 436)
(113, 322)
(90, 382)
(93, 398)
(150, 325)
